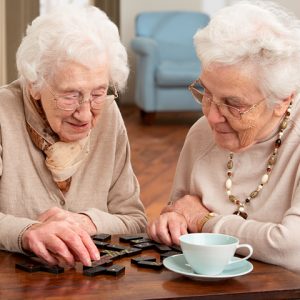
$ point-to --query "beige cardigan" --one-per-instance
(273, 224)
(105, 187)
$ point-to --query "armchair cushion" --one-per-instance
(180, 73)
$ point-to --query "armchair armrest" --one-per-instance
(145, 47)
(148, 54)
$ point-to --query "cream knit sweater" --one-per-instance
(105, 187)
(273, 224)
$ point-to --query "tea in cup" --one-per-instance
(210, 253)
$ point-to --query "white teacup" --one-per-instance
(210, 253)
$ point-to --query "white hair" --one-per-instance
(260, 34)
(72, 33)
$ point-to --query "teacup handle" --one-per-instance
(243, 258)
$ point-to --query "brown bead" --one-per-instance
(278, 143)
(254, 194)
(241, 214)
(229, 174)
(230, 164)
(244, 215)
(283, 124)
(272, 160)
(232, 198)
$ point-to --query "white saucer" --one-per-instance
(178, 264)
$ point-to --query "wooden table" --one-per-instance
(264, 282)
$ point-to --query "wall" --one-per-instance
(2, 44)
(130, 8)
(292, 5)
(19, 13)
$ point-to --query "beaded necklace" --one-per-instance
(271, 162)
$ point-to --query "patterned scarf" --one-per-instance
(62, 159)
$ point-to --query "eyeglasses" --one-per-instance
(200, 95)
(71, 101)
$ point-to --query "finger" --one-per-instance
(178, 230)
(42, 253)
(58, 248)
(90, 246)
(151, 232)
(162, 228)
(175, 232)
(62, 263)
(183, 229)
(74, 242)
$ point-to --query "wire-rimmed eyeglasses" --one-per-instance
(71, 101)
(200, 95)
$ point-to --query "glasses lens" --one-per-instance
(197, 91)
(99, 103)
(234, 112)
(71, 103)
(67, 102)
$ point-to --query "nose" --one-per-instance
(83, 112)
(214, 114)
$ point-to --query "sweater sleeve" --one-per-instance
(125, 209)
(12, 227)
(11, 232)
(272, 243)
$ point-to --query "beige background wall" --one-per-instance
(2, 44)
(19, 13)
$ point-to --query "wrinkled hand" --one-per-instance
(61, 238)
(167, 228)
(58, 214)
(177, 219)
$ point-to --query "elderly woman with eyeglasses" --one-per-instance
(238, 172)
(65, 159)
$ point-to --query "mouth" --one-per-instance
(222, 131)
(80, 127)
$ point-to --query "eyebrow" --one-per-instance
(236, 99)
(74, 90)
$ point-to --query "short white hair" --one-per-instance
(260, 34)
(72, 33)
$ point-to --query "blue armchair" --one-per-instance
(166, 61)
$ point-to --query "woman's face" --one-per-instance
(236, 87)
(73, 79)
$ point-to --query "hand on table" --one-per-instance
(58, 214)
(61, 238)
(177, 219)
(167, 228)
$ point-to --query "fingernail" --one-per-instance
(97, 255)
(88, 262)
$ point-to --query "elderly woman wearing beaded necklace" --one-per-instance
(238, 172)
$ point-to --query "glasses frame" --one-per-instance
(108, 99)
(198, 96)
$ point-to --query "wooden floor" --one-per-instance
(154, 153)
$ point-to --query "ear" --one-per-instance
(280, 108)
(35, 94)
